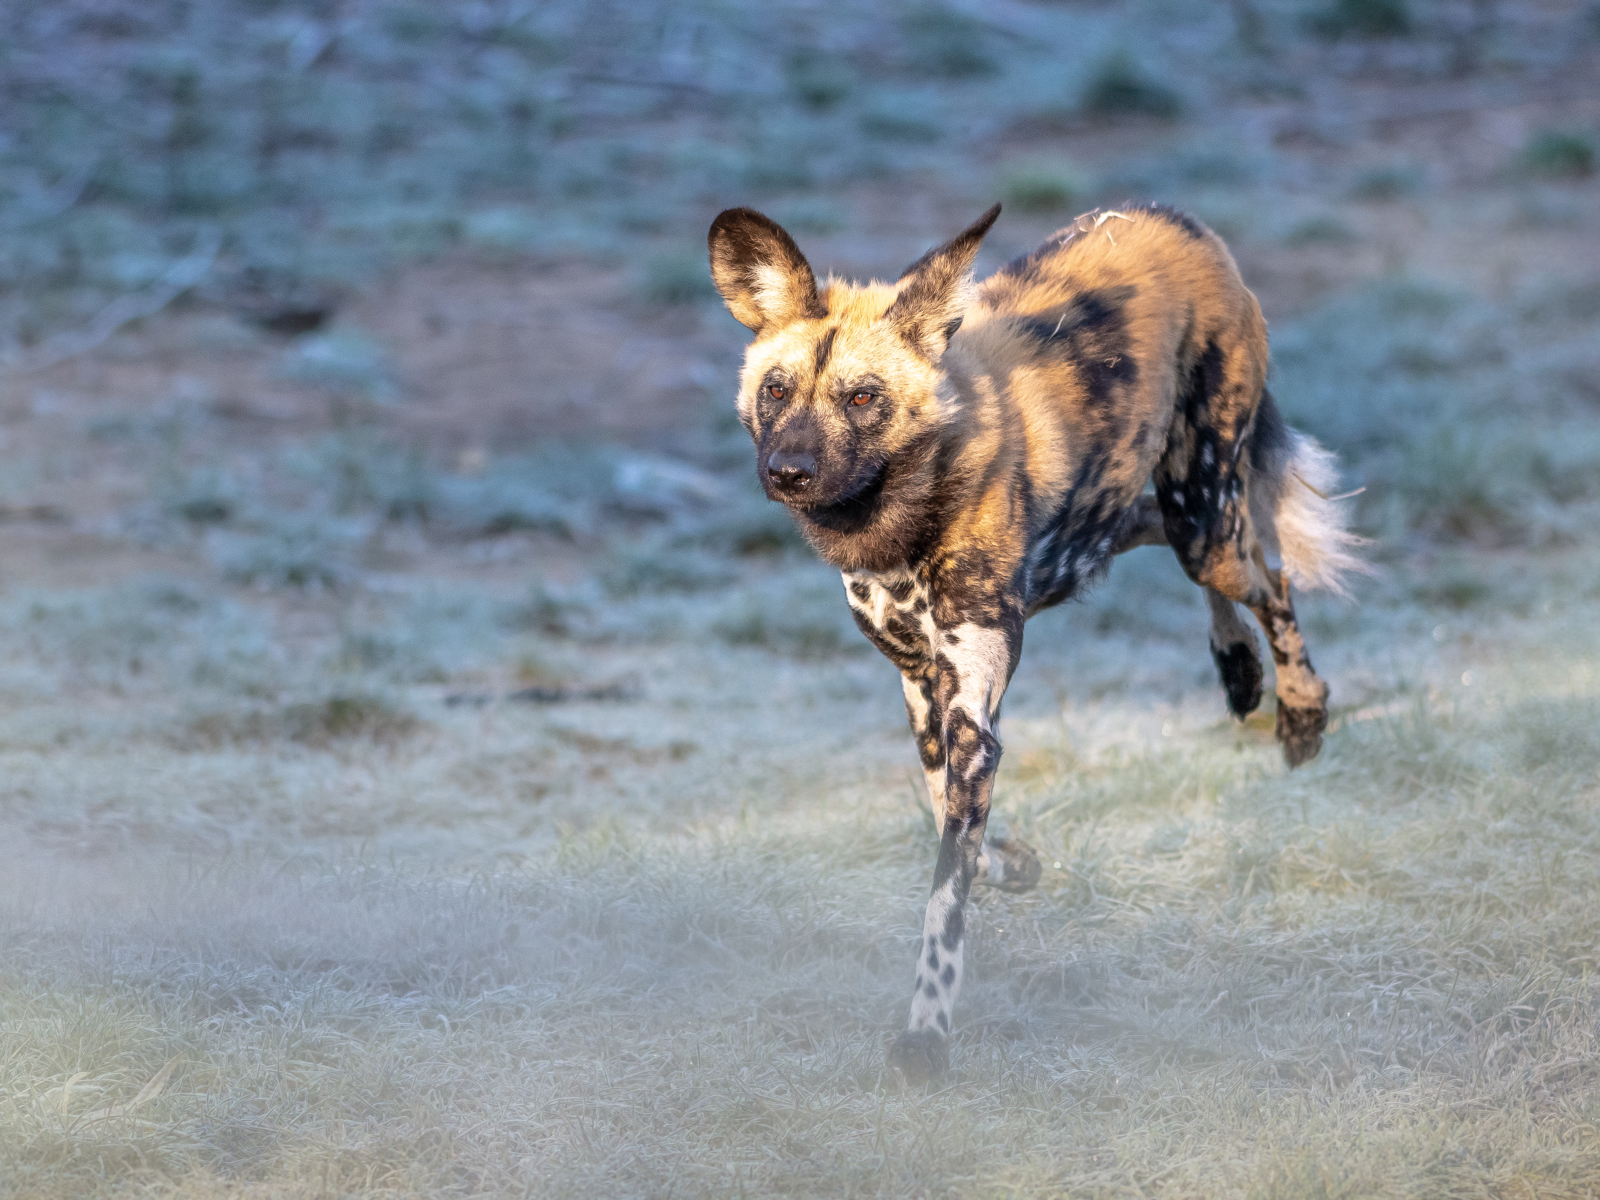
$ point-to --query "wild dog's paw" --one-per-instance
(1300, 731)
(1239, 666)
(919, 1056)
(1013, 865)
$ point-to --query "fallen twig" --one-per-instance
(33, 512)
(540, 695)
(179, 278)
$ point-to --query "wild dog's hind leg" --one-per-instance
(1144, 526)
(1241, 574)
(1202, 486)
(1302, 696)
(973, 664)
(1233, 648)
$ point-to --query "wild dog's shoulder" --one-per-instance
(908, 613)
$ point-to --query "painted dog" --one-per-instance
(970, 454)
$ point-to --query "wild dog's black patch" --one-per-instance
(911, 658)
(928, 732)
(1172, 216)
(1192, 505)
(1077, 544)
(1205, 381)
(856, 511)
(1088, 312)
(901, 589)
(972, 749)
(1093, 334)
(825, 348)
(903, 629)
(877, 532)
(1269, 436)
(1240, 669)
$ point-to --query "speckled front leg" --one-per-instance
(972, 667)
(927, 728)
(1005, 861)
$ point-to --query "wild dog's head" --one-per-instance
(840, 384)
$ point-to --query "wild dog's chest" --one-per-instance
(894, 610)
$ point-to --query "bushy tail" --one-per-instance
(1294, 506)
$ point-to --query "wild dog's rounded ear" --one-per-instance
(933, 290)
(763, 277)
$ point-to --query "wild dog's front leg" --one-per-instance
(972, 666)
(927, 726)
(1006, 862)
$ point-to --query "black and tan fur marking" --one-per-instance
(970, 455)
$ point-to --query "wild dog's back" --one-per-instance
(1090, 339)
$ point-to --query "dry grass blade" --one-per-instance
(147, 1093)
(66, 1091)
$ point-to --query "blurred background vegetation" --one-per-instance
(280, 161)
(329, 141)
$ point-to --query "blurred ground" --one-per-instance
(427, 767)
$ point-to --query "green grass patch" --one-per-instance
(1120, 87)
(1362, 18)
(1560, 154)
(1042, 185)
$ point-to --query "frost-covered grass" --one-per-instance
(608, 948)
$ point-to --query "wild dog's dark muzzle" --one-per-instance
(791, 471)
(789, 464)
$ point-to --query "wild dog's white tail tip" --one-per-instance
(1317, 547)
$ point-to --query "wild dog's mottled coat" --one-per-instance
(969, 456)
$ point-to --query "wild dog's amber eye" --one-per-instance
(776, 391)
(860, 398)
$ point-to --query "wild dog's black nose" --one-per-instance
(791, 472)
